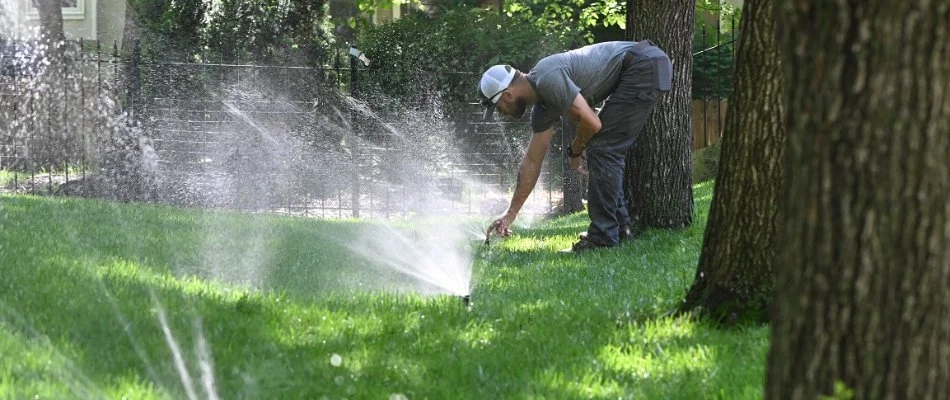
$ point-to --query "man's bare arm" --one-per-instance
(530, 170)
(587, 123)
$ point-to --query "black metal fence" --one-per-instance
(713, 62)
(303, 140)
(286, 139)
(55, 119)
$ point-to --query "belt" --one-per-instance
(642, 45)
(635, 51)
(662, 69)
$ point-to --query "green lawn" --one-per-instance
(141, 301)
(6, 177)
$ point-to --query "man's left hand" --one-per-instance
(578, 163)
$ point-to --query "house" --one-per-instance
(101, 20)
(104, 20)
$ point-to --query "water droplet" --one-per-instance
(336, 360)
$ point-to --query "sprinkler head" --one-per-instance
(467, 300)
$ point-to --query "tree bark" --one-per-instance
(132, 29)
(865, 260)
(51, 20)
(574, 188)
(735, 274)
(51, 93)
(658, 182)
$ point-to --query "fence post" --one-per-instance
(354, 92)
(705, 100)
(82, 109)
(15, 133)
(719, 79)
(67, 58)
(117, 93)
(135, 81)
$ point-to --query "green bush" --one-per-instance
(270, 31)
(706, 162)
(266, 31)
(580, 21)
(419, 55)
(170, 30)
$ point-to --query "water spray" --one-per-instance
(467, 299)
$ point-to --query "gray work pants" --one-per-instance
(623, 116)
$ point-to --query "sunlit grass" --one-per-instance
(6, 176)
(277, 300)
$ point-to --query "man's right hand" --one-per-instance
(500, 226)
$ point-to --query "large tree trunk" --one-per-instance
(51, 20)
(574, 185)
(864, 266)
(658, 181)
(735, 274)
(132, 30)
(50, 94)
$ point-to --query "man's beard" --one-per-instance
(520, 105)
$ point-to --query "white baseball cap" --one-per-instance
(493, 84)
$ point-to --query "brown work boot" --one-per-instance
(584, 245)
(624, 232)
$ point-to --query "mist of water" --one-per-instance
(14, 21)
(65, 129)
(435, 261)
(438, 259)
(205, 363)
(268, 152)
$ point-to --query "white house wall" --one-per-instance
(111, 18)
(81, 25)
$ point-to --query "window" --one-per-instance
(72, 9)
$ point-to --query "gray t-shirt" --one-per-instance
(593, 71)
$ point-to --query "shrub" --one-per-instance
(270, 31)
(706, 162)
(170, 30)
(418, 55)
(265, 31)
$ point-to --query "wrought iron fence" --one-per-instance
(301, 140)
(714, 61)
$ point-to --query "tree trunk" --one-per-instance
(865, 260)
(51, 94)
(735, 274)
(658, 181)
(51, 20)
(574, 188)
(129, 80)
(132, 30)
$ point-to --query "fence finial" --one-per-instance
(359, 55)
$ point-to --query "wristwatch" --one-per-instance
(570, 152)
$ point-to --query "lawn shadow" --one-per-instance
(119, 325)
(299, 257)
(540, 326)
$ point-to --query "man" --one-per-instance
(628, 76)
